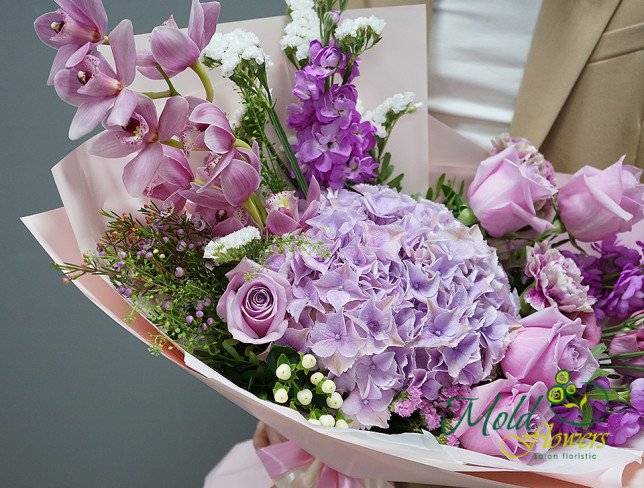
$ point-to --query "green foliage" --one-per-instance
(384, 174)
(446, 193)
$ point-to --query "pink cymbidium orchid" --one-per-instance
(172, 178)
(211, 206)
(235, 170)
(173, 49)
(96, 89)
(144, 131)
(284, 210)
(74, 29)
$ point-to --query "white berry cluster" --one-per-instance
(304, 396)
(399, 103)
(229, 50)
(304, 28)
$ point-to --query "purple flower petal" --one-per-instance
(62, 55)
(88, 116)
(239, 181)
(173, 118)
(173, 49)
(124, 51)
(203, 22)
(139, 172)
(218, 139)
(108, 145)
(78, 55)
(124, 105)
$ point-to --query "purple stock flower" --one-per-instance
(615, 278)
(74, 29)
(333, 143)
(91, 84)
(143, 132)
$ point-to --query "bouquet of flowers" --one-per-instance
(272, 252)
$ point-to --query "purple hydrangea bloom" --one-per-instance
(408, 299)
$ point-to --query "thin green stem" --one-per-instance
(201, 72)
(157, 95)
(288, 151)
(627, 366)
(627, 355)
(171, 88)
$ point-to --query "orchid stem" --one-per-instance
(199, 69)
(157, 95)
(171, 88)
(173, 143)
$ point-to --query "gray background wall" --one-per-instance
(72, 414)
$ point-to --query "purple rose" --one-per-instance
(549, 343)
(506, 192)
(512, 415)
(255, 309)
(629, 343)
(595, 204)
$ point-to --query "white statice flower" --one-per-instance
(304, 28)
(228, 50)
(236, 118)
(356, 27)
(399, 103)
(231, 247)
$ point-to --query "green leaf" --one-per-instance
(599, 349)
(604, 395)
(395, 183)
(292, 356)
(586, 413)
(228, 345)
(283, 359)
(598, 374)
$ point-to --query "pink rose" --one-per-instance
(629, 343)
(255, 308)
(504, 193)
(549, 343)
(594, 204)
(511, 416)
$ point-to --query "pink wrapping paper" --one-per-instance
(88, 184)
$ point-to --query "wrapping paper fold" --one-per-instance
(423, 148)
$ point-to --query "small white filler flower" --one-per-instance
(231, 247)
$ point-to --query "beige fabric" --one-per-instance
(582, 96)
